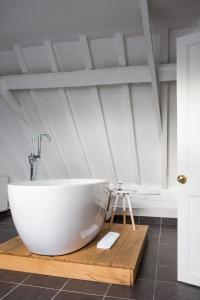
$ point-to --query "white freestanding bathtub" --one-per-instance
(56, 217)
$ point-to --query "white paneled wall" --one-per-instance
(105, 132)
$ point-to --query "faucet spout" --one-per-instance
(38, 136)
(34, 157)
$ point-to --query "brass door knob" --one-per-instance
(182, 179)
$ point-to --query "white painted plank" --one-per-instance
(59, 169)
(146, 133)
(69, 118)
(120, 75)
(86, 52)
(94, 91)
(164, 110)
(122, 59)
(87, 114)
(151, 62)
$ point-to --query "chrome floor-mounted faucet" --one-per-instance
(34, 158)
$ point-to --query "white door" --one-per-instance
(188, 118)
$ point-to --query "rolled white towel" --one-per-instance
(108, 240)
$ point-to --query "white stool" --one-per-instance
(125, 197)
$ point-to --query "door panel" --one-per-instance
(188, 138)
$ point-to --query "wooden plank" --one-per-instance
(128, 255)
(63, 95)
(137, 74)
(89, 65)
(104, 257)
(24, 69)
(12, 102)
(65, 269)
(116, 265)
(151, 62)
(126, 94)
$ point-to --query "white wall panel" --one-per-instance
(53, 164)
(119, 127)
(36, 59)
(89, 119)
(136, 50)
(91, 128)
(60, 120)
(8, 63)
(103, 53)
(147, 140)
(69, 56)
(12, 143)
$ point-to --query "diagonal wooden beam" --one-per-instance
(151, 62)
(122, 61)
(12, 102)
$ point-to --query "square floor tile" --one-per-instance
(150, 220)
(142, 290)
(147, 271)
(12, 276)
(168, 236)
(6, 287)
(176, 291)
(46, 281)
(167, 254)
(76, 296)
(86, 286)
(169, 221)
(167, 273)
(23, 292)
(6, 235)
(150, 253)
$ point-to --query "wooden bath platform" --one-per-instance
(117, 265)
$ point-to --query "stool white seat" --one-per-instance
(125, 194)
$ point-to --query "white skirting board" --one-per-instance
(3, 193)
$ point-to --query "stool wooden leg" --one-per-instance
(131, 212)
(114, 209)
(124, 210)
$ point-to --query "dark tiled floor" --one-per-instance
(156, 278)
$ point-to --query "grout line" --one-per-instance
(39, 286)
(121, 298)
(60, 289)
(154, 290)
(16, 287)
(106, 292)
(76, 292)
(170, 282)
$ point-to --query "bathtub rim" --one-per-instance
(58, 183)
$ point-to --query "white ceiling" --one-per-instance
(32, 21)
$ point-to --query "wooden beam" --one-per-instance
(54, 68)
(86, 52)
(12, 102)
(138, 74)
(164, 40)
(89, 65)
(122, 61)
(151, 62)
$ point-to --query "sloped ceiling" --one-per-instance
(94, 130)
(26, 21)
(91, 128)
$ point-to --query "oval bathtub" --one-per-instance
(56, 217)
